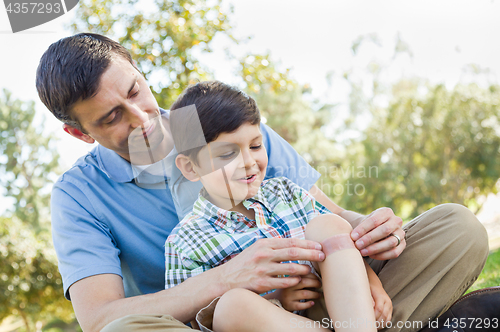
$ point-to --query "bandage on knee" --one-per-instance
(336, 243)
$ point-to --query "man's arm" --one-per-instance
(372, 232)
(100, 299)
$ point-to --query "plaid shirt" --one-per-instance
(210, 236)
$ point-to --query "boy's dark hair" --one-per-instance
(71, 69)
(221, 108)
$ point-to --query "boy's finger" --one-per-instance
(302, 305)
(306, 295)
(309, 282)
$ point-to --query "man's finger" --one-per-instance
(393, 253)
(296, 254)
(371, 222)
(381, 232)
(279, 283)
(289, 269)
(279, 243)
(388, 242)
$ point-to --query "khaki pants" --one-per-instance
(446, 251)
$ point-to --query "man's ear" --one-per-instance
(186, 166)
(77, 133)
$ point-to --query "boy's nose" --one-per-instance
(248, 159)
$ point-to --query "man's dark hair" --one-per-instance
(221, 108)
(71, 69)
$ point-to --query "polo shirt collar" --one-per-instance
(114, 166)
(224, 218)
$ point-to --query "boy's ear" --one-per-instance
(77, 133)
(186, 166)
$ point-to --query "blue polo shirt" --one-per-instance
(105, 221)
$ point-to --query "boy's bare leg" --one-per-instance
(244, 311)
(345, 282)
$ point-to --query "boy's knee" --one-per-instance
(325, 226)
(230, 306)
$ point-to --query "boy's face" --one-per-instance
(233, 166)
(123, 113)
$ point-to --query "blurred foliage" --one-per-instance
(27, 160)
(490, 276)
(431, 145)
(30, 284)
(288, 107)
(423, 144)
(163, 40)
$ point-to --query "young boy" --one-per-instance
(215, 128)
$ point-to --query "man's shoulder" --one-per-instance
(84, 169)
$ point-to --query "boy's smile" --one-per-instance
(233, 166)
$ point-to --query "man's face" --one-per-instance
(124, 114)
(233, 166)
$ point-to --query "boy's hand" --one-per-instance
(382, 304)
(290, 297)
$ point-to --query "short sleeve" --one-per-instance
(179, 266)
(84, 245)
(285, 161)
(310, 205)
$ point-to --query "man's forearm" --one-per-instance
(352, 217)
(96, 306)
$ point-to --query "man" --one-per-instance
(109, 229)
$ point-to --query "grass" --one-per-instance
(491, 273)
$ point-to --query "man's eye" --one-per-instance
(136, 89)
(112, 119)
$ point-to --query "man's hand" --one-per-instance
(257, 268)
(291, 297)
(373, 236)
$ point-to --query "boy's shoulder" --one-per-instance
(281, 188)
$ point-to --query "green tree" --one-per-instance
(163, 37)
(288, 107)
(431, 145)
(30, 283)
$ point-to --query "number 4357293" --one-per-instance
(34, 7)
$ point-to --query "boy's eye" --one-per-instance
(227, 155)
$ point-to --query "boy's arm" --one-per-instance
(179, 267)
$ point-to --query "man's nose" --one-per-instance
(137, 116)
